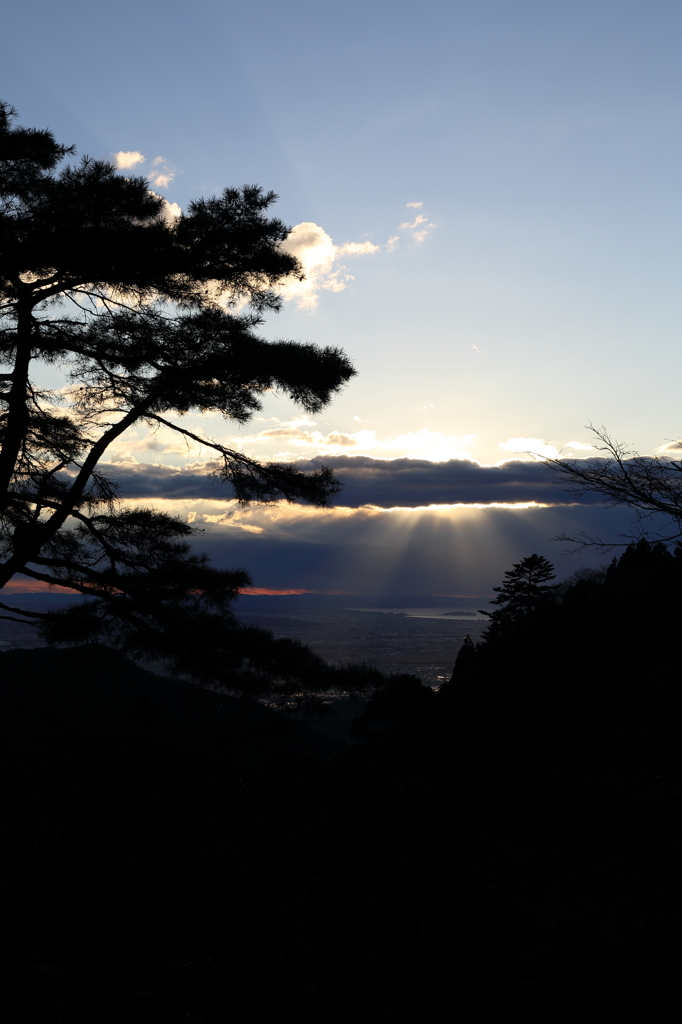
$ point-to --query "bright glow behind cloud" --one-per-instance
(445, 550)
(530, 446)
(671, 448)
(534, 447)
(421, 444)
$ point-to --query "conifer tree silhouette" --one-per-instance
(525, 588)
(100, 279)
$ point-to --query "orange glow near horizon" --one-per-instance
(270, 592)
(39, 587)
(266, 591)
(34, 587)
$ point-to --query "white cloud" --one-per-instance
(232, 518)
(671, 448)
(318, 256)
(161, 180)
(161, 174)
(419, 236)
(535, 447)
(162, 440)
(419, 227)
(531, 446)
(123, 456)
(357, 249)
(421, 444)
(169, 211)
(125, 160)
(415, 223)
(416, 206)
(299, 421)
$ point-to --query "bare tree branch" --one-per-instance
(649, 485)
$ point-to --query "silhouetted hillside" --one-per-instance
(504, 849)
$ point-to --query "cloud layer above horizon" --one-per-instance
(400, 526)
(439, 550)
(383, 483)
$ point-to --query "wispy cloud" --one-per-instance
(420, 227)
(578, 446)
(161, 173)
(670, 448)
(530, 446)
(125, 160)
(233, 517)
(422, 444)
(410, 227)
(535, 447)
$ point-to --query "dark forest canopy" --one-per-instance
(604, 640)
(561, 669)
(132, 304)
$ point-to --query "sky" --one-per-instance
(485, 195)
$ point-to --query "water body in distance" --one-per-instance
(465, 614)
(18, 634)
(394, 640)
(421, 636)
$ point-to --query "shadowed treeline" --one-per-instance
(504, 848)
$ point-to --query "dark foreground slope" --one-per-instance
(170, 855)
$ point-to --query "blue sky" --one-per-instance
(542, 140)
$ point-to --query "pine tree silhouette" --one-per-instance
(525, 588)
(100, 279)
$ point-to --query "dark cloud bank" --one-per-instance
(414, 482)
(407, 483)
